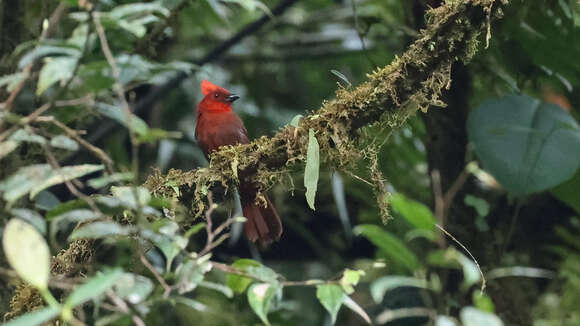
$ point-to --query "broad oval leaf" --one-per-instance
(312, 168)
(31, 217)
(528, 145)
(260, 298)
(331, 297)
(27, 252)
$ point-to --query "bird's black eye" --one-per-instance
(216, 95)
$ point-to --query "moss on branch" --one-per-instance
(391, 94)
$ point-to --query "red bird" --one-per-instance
(217, 125)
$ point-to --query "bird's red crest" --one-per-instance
(207, 87)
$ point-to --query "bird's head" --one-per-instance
(216, 98)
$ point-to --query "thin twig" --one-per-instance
(483, 282)
(122, 305)
(71, 187)
(166, 287)
(232, 270)
(99, 153)
(118, 88)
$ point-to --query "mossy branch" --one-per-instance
(391, 94)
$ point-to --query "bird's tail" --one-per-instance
(264, 224)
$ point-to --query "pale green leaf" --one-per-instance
(54, 70)
(64, 174)
(311, 171)
(31, 217)
(35, 318)
(6, 147)
(27, 252)
(134, 288)
(93, 288)
(260, 298)
(127, 196)
(64, 142)
(110, 178)
(98, 230)
(471, 316)
(331, 297)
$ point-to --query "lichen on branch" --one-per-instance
(391, 94)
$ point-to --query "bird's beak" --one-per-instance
(232, 98)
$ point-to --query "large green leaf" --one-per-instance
(331, 297)
(260, 298)
(312, 168)
(27, 252)
(417, 214)
(526, 144)
(54, 70)
(389, 245)
(35, 178)
(239, 283)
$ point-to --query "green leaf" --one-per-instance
(525, 143)
(110, 178)
(31, 217)
(35, 178)
(350, 278)
(58, 49)
(194, 304)
(6, 147)
(27, 252)
(54, 70)
(10, 81)
(331, 297)
(385, 284)
(64, 142)
(260, 297)
(341, 76)
(64, 174)
(417, 214)
(134, 288)
(296, 120)
(137, 9)
(480, 205)
(37, 317)
(98, 230)
(389, 245)
(218, 287)
(94, 287)
(568, 192)
(452, 258)
(312, 168)
(471, 316)
(26, 135)
(239, 283)
(127, 196)
(77, 215)
(191, 274)
(116, 113)
(482, 301)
